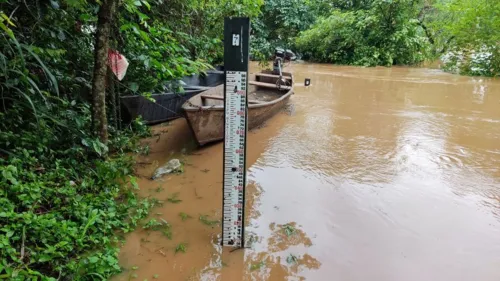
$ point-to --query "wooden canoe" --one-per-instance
(205, 111)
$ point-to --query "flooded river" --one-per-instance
(372, 174)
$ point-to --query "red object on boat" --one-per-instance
(118, 63)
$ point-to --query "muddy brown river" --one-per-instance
(371, 174)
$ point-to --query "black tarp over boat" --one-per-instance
(168, 106)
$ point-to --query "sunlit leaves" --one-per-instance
(4, 22)
(7, 19)
(471, 22)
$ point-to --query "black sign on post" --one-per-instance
(236, 45)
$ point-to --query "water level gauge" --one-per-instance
(236, 36)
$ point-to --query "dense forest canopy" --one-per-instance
(464, 33)
(376, 33)
(66, 186)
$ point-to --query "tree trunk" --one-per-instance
(100, 66)
(427, 32)
(118, 108)
(112, 97)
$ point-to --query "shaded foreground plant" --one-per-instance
(62, 201)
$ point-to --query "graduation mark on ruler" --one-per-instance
(234, 158)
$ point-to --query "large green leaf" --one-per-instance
(47, 72)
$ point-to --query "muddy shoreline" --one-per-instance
(146, 253)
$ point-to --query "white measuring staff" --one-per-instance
(234, 158)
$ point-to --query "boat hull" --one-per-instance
(207, 122)
(208, 125)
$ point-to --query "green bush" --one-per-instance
(385, 34)
(61, 203)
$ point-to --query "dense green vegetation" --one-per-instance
(67, 186)
(279, 22)
(463, 33)
(376, 33)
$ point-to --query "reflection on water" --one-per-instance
(379, 174)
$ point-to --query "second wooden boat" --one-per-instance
(168, 106)
(267, 95)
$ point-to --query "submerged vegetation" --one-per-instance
(181, 247)
(67, 190)
(206, 221)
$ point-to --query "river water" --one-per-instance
(371, 174)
